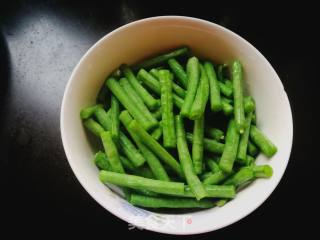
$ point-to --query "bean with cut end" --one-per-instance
(202, 95)
(263, 143)
(157, 133)
(215, 133)
(178, 70)
(169, 202)
(167, 122)
(158, 60)
(186, 162)
(147, 98)
(230, 149)
(87, 112)
(237, 80)
(215, 99)
(193, 74)
(210, 145)
(243, 143)
(93, 126)
(137, 182)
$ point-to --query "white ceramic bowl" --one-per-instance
(140, 39)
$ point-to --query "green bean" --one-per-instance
(249, 160)
(178, 71)
(131, 152)
(227, 108)
(230, 149)
(215, 178)
(199, 104)
(157, 114)
(214, 167)
(158, 60)
(215, 191)
(178, 90)
(197, 145)
(229, 84)
(209, 144)
(140, 171)
(263, 143)
(150, 80)
(101, 161)
(237, 80)
(178, 101)
(127, 146)
(254, 118)
(153, 162)
(215, 99)
(252, 149)
(125, 84)
(112, 152)
(244, 138)
(114, 114)
(244, 175)
(127, 102)
(167, 122)
(166, 202)
(103, 118)
(157, 133)
(225, 89)
(151, 143)
(136, 182)
(93, 126)
(249, 104)
(262, 171)
(87, 112)
(193, 82)
(186, 162)
(147, 98)
(215, 133)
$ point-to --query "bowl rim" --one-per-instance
(258, 203)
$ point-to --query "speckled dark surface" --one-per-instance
(42, 41)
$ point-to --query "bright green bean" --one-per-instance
(93, 126)
(157, 133)
(197, 145)
(225, 89)
(147, 98)
(114, 114)
(136, 182)
(160, 151)
(125, 84)
(263, 143)
(209, 144)
(153, 162)
(249, 104)
(140, 171)
(178, 71)
(127, 102)
(199, 104)
(214, 167)
(215, 133)
(186, 162)
(244, 175)
(167, 122)
(101, 161)
(215, 178)
(112, 152)
(158, 60)
(227, 108)
(193, 74)
(243, 143)
(149, 80)
(87, 112)
(230, 149)
(262, 171)
(215, 98)
(157, 114)
(237, 80)
(168, 202)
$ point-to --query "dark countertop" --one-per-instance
(42, 41)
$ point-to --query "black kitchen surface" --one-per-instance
(40, 44)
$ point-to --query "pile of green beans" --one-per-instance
(160, 140)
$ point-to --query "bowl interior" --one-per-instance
(138, 40)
